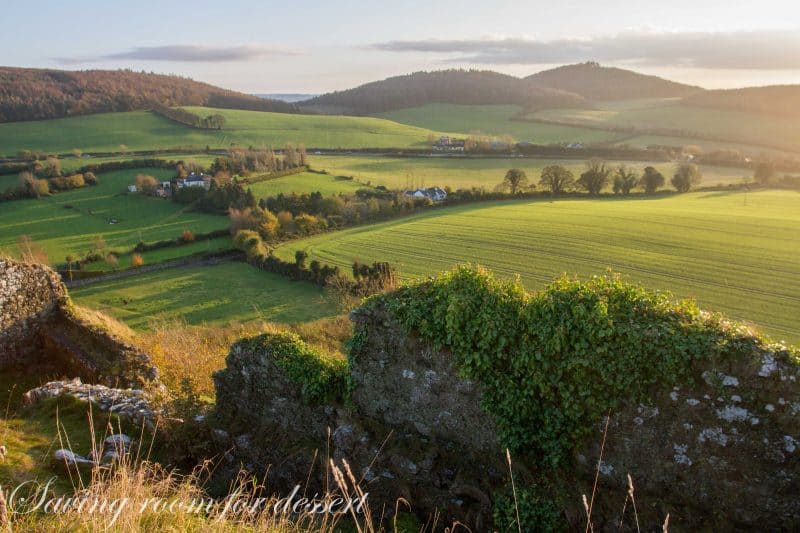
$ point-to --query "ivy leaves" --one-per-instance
(554, 362)
(323, 378)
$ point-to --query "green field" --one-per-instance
(740, 259)
(494, 120)
(229, 292)
(61, 231)
(219, 244)
(70, 164)
(643, 141)
(455, 172)
(142, 130)
(691, 122)
(305, 182)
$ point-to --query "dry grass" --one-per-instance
(181, 351)
(106, 323)
(134, 494)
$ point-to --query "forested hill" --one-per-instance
(595, 82)
(35, 94)
(447, 86)
(782, 100)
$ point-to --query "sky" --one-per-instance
(318, 46)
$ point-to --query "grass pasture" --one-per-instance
(494, 120)
(737, 258)
(142, 130)
(456, 172)
(304, 182)
(228, 292)
(219, 244)
(70, 164)
(61, 231)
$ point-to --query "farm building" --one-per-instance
(435, 194)
(131, 188)
(448, 144)
(194, 180)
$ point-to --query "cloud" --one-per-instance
(183, 53)
(773, 50)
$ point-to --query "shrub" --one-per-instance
(112, 261)
(250, 243)
(187, 236)
(137, 260)
(146, 184)
(90, 178)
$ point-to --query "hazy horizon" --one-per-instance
(262, 47)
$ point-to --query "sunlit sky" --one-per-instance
(318, 46)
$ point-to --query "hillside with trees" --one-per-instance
(595, 82)
(781, 100)
(38, 94)
(470, 87)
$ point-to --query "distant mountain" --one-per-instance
(595, 82)
(287, 97)
(782, 100)
(35, 94)
(446, 87)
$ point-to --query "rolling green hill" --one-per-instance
(142, 130)
(736, 257)
(668, 117)
(494, 120)
(778, 100)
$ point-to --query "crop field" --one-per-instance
(142, 130)
(494, 120)
(67, 222)
(734, 252)
(305, 182)
(407, 172)
(731, 126)
(229, 292)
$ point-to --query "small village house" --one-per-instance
(435, 194)
(194, 180)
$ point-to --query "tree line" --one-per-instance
(598, 175)
(45, 178)
(182, 116)
(245, 162)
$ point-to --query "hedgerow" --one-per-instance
(552, 364)
(323, 378)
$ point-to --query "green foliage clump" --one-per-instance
(322, 376)
(553, 363)
(536, 509)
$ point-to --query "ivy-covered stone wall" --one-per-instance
(445, 376)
